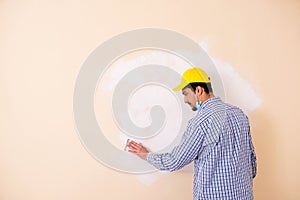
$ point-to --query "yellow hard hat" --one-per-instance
(192, 75)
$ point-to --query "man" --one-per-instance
(217, 139)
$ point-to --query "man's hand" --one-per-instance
(138, 150)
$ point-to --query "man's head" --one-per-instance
(196, 87)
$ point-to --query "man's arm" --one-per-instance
(180, 156)
(253, 156)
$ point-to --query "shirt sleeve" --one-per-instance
(253, 156)
(182, 154)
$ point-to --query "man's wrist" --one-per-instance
(148, 156)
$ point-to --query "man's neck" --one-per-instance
(207, 96)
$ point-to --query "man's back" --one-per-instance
(226, 163)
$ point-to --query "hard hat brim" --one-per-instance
(179, 87)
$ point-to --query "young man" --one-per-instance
(217, 139)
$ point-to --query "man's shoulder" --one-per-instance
(235, 112)
(234, 108)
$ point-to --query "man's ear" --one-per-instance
(199, 90)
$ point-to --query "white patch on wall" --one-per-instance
(237, 90)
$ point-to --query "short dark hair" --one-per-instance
(206, 86)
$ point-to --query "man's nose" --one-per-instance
(185, 100)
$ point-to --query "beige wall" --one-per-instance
(44, 43)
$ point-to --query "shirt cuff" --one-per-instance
(148, 158)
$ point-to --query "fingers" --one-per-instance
(137, 149)
(134, 146)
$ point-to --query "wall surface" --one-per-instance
(44, 43)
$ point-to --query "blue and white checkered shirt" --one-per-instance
(218, 140)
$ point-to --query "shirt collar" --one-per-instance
(210, 101)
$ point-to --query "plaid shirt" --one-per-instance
(218, 140)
